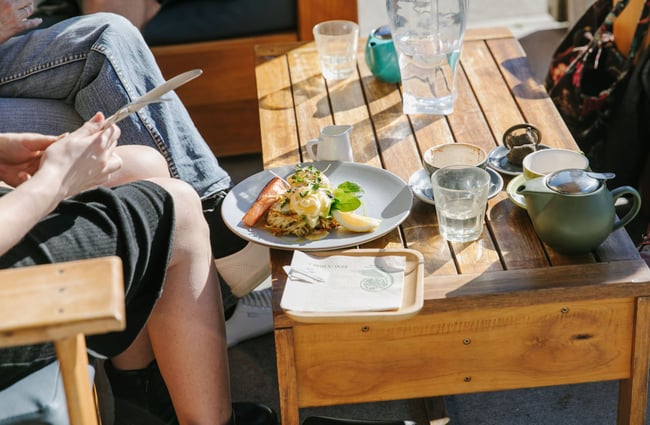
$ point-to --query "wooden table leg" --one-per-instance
(633, 392)
(287, 385)
(73, 360)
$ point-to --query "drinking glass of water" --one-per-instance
(428, 35)
(460, 194)
(336, 42)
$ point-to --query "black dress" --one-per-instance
(133, 221)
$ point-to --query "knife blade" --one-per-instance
(152, 96)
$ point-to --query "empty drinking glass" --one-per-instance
(460, 193)
(428, 36)
(336, 42)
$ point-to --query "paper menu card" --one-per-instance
(349, 283)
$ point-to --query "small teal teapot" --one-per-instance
(381, 55)
(573, 211)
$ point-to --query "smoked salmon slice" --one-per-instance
(265, 199)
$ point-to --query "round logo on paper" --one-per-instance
(376, 281)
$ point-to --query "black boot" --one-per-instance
(247, 413)
(324, 420)
(141, 396)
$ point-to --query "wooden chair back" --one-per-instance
(62, 303)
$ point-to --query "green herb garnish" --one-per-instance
(346, 197)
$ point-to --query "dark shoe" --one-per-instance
(141, 396)
(247, 413)
(324, 420)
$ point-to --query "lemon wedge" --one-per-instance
(355, 222)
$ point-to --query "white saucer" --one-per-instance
(497, 160)
(420, 184)
(516, 198)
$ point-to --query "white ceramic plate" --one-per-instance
(497, 160)
(385, 196)
(511, 190)
(420, 184)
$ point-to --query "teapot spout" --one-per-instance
(536, 193)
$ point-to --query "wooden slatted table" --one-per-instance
(503, 312)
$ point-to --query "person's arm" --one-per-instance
(79, 161)
(20, 155)
(625, 25)
(14, 18)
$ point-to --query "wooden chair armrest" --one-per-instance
(311, 12)
(55, 301)
(62, 303)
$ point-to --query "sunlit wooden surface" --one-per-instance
(503, 312)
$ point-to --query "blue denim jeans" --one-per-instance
(54, 79)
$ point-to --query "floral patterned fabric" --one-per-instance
(588, 73)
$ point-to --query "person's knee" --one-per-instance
(139, 163)
(117, 22)
(188, 209)
(107, 34)
(191, 231)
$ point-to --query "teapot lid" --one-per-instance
(573, 182)
(382, 33)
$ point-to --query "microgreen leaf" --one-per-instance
(346, 197)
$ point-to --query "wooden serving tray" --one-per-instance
(413, 293)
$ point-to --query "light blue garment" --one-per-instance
(96, 63)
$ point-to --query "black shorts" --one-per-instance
(134, 222)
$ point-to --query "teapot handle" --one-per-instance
(636, 205)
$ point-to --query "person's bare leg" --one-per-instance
(186, 327)
(139, 12)
(138, 163)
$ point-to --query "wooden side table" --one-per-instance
(502, 312)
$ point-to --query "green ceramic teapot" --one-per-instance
(573, 211)
(381, 55)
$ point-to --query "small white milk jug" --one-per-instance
(333, 144)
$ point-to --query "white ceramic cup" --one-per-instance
(546, 161)
(336, 42)
(448, 154)
(333, 144)
(460, 193)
